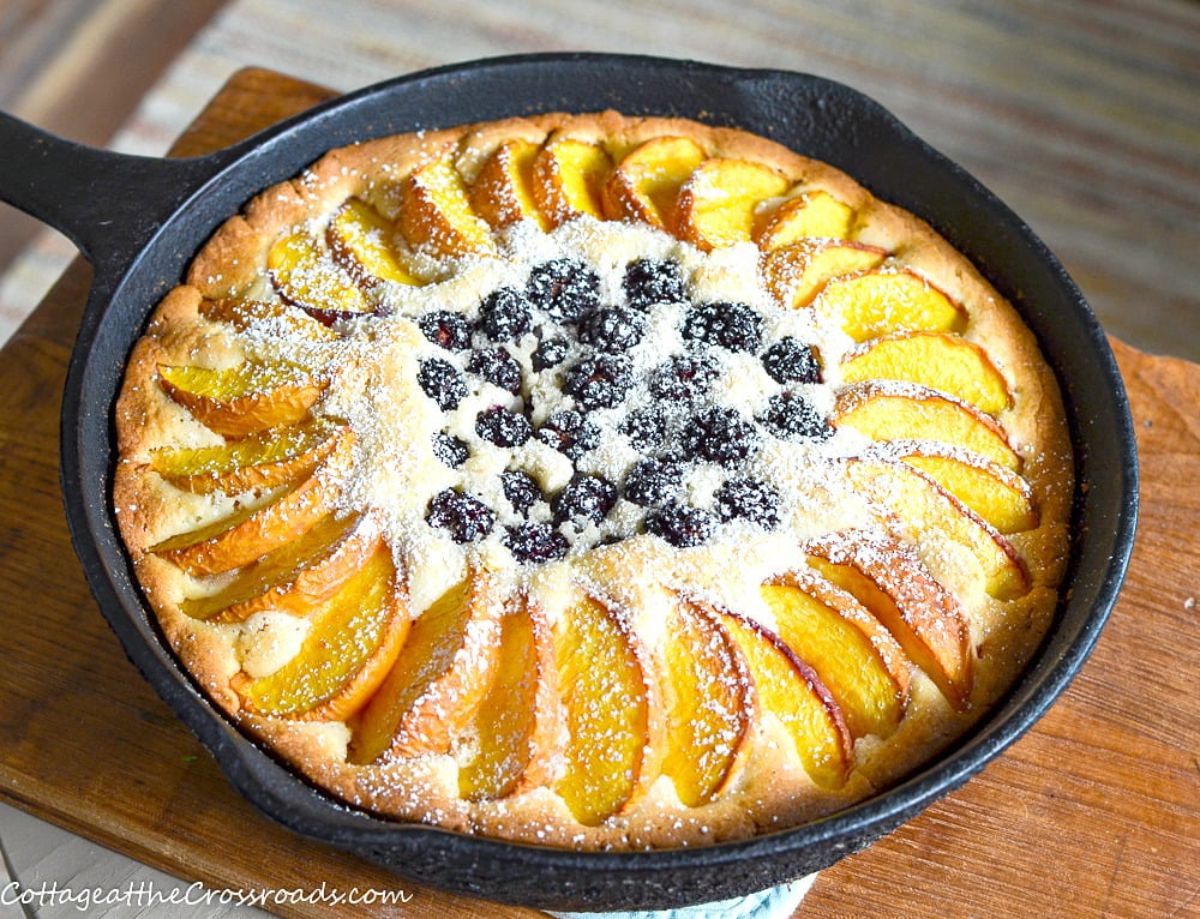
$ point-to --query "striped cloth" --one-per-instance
(1084, 116)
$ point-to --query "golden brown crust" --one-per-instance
(771, 791)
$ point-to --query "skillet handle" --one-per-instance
(106, 203)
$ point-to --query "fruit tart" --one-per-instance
(592, 481)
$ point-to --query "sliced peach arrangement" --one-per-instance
(363, 242)
(502, 193)
(263, 460)
(890, 581)
(885, 411)
(246, 399)
(607, 709)
(938, 360)
(352, 642)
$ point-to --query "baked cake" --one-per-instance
(593, 481)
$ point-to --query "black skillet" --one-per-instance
(140, 220)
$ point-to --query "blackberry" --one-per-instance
(498, 367)
(503, 427)
(466, 517)
(585, 498)
(599, 382)
(748, 499)
(789, 416)
(611, 329)
(652, 481)
(451, 450)
(504, 314)
(681, 525)
(521, 490)
(646, 428)
(720, 435)
(569, 432)
(683, 377)
(536, 542)
(790, 361)
(441, 382)
(564, 288)
(734, 326)
(649, 281)
(445, 329)
(550, 353)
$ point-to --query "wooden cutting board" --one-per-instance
(1096, 811)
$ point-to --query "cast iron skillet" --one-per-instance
(140, 220)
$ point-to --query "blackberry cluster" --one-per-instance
(683, 377)
(586, 498)
(732, 326)
(504, 315)
(612, 330)
(670, 435)
(441, 382)
(503, 427)
(564, 288)
(748, 499)
(720, 435)
(650, 281)
(681, 525)
(550, 352)
(521, 490)
(646, 428)
(498, 367)
(446, 330)
(792, 417)
(466, 517)
(451, 450)
(601, 381)
(789, 361)
(653, 481)
(570, 433)
(536, 542)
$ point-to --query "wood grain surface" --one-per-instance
(1095, 812)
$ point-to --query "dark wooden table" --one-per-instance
(1095, 812)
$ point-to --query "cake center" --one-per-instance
(606, 381)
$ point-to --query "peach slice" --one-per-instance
(796, 273)
(502, 193)
(926, 510)
(265, 460)
(998, 495)
(518, 725)
(568, 179)
(711, 708)
(361, 240)
(890, 581)
(439, 680)
(295, 578)
(874, 303)
(645, 185)
(824, 626)
(353, 640)
(884, 410)
(790, 689)
(606, 700)
(436, 214)
(249, 534)
(306, 277)
(242, 314)
(811, 214)
(939, 360)
(717, 205)
(243, 400)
